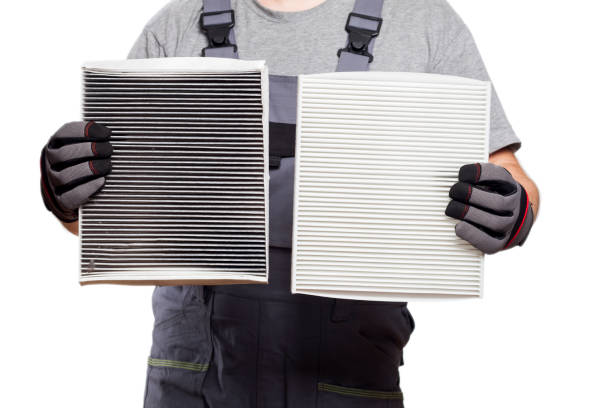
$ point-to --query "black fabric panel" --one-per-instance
(460, 192)
(456, 210)
(282, 142)
(470, 173)
(275, 162)
(102, 150)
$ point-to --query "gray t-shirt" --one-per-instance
(416, 36)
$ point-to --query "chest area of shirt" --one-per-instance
(294, 49)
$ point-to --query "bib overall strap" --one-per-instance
(363, 26)
(217, 22)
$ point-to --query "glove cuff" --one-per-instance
(49, 199)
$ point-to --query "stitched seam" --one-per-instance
(155, 362)
(93, 149)
(478, 173)
(356, 392)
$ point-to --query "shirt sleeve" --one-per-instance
(457, 54)
(147, 46)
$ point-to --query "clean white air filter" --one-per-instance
(186, 202)
(377, 153)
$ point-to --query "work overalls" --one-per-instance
(259, 345)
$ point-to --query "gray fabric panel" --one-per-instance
(71, 130)
(352, 62)
(480, 239)
(70, 152)
(283, 99)
(369, 7)
(221, 52)
(494, 222)
(363, 23)
(69, 174)
(218, 18)
(493, 201)
(492, 172)
(217, 5)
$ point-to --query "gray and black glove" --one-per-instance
(73, 166)
(493, 208)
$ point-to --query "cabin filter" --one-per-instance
(376, 156)
(186, 200)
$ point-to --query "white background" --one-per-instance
(541, 336)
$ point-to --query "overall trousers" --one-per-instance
(253, 346)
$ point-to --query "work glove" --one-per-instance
(493, 208)
(73, 166)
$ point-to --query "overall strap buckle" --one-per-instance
(360, 37)
(218, 34)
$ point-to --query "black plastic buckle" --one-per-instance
(218, 34)
(359, 38)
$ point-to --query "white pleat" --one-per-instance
(377, 154)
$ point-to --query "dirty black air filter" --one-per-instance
(186, 200)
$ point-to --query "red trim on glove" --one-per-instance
(87, 128)
(92, 168)
(465, 211)
(522, 223)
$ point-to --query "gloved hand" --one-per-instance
(493, 208)
(73, 166)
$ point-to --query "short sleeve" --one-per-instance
(457, 54)
(147, 46)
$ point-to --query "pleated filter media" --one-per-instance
(186, 202)
(376, 156)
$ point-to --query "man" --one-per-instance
(260, 346)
